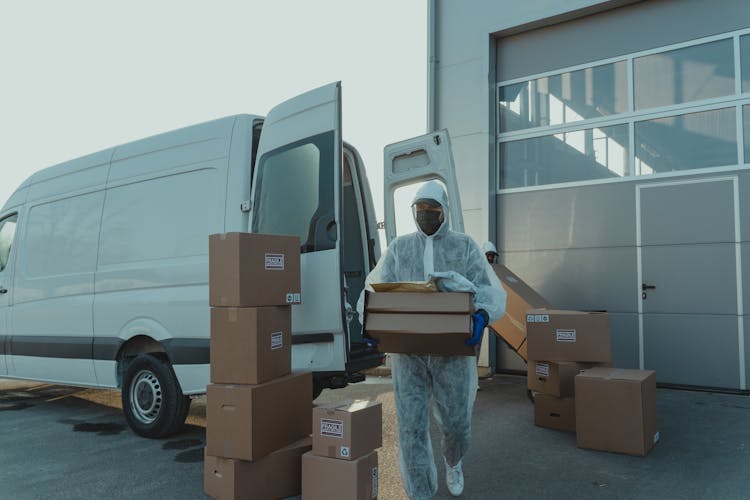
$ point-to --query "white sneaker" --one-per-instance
(454, 478)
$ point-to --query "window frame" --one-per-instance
(736, 100)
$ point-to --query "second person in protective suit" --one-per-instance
(449, 381)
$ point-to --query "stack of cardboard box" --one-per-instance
(343, 463)
(569, 369)
(609, 409)
(420, 323)
(258, 412)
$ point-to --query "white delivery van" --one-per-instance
(104, 259)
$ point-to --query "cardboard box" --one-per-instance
(278, 475)
(325, 478)
(521, 297)
(555, 413)
(347, 430)
(555, 378)
(250, 270)
(248, 422)
(420, 323)
(436, 334)
(250, 345)
(616, 410)
(557, 335)
(409, 302)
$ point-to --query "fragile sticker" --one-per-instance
(293, 298)
(344, 451)
(537, 318)
(565, 335)
(277, 340)
(542, 369)
(332, 428)
(274, 262)
(374, 474)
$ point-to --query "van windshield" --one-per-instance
(294, 193)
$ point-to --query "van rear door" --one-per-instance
(407, 165)
(297, 191)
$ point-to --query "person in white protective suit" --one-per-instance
(435, 251)
(490, 252)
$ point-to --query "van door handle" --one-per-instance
(3, 290)
(645, 287)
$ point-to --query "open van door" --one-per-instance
(407, 165)
(296, 191)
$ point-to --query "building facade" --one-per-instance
(604, 147)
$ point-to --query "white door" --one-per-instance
(297, 191)
(409, 163)
(7, 232)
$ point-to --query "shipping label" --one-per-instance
(374, 474)
(332, 428)
(277, 340)
(542, 369)
(274, 262)
(293, 298)
(562, 335)
(537, 318)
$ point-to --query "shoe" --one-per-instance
(454, 478)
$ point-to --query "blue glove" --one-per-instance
(370, 342)
(480, 321)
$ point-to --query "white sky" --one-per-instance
(83, 75)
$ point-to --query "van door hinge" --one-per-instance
(381, 225)
(245, 206)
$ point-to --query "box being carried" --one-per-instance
(557, 335)
(347, 430)
(511, 327)
(616, 410)
(420, 322)
(250, 270)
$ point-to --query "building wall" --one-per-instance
(580, 245)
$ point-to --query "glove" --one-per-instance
(480, 320)
(370, 342)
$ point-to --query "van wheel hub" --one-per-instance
(145, 396)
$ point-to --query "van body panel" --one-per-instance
(53, 281)
(193, 377)
(8, 230)
(239, 174)
(88, 173)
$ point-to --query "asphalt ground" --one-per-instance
(61, 442)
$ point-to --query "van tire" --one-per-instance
(152, 400)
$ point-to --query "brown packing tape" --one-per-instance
(232, 315)
(614, 374)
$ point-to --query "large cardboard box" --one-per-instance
(555, 413)
(557, 335)
(555, 378)
(347, 430)
(250, 345)
(325, 478)
(420, 323)
(521, 297)
(278, 475)
(616, 410)
(248, 422)
(250, 270)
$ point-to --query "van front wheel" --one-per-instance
(152, 401)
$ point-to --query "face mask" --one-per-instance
(428, 221)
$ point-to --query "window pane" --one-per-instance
(684, 75)
(683, 142)
(746, 128)
(596, 153)
(294, 194)
(565, 98)
(7, 231)
(745, 62)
